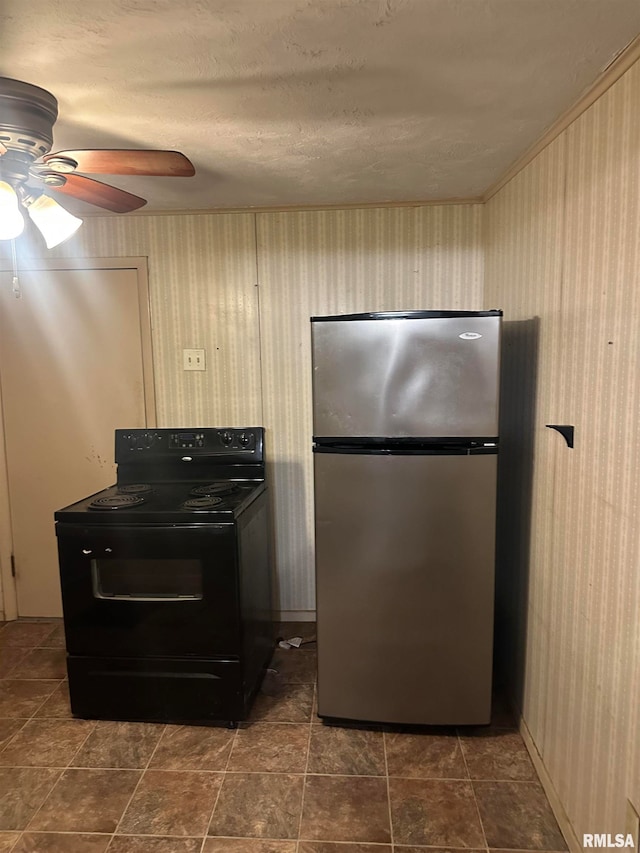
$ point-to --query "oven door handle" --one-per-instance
(155, 598)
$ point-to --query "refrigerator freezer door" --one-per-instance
(431, 378)
(405, 580)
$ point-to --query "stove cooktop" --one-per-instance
(170, 503)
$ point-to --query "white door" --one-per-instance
(71, 371)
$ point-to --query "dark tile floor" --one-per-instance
(281, 783)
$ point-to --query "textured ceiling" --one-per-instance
(312, 102)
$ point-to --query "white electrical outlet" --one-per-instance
(193, 359)
(633, 824)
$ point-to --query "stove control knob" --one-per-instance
(245, 439)
(148, 438)
(226, 438)
(133, 441)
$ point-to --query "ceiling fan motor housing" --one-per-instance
(27, 116)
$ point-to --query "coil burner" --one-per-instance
(135, 489)
(214, 490)
(116, 502)
(203, 503)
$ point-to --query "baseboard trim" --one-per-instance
(566, 827)
(295, 615)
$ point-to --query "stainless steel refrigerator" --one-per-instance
(405, 441)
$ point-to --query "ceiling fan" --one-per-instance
(30, 174)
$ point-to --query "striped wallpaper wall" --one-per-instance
(243, 286)
(524, 264)
(332, 262)
(563, 255)
(202, 284)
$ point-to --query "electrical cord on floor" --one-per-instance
(288, 644)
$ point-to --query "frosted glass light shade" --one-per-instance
(11, 219)
(54, 222)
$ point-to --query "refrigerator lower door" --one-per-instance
(405, 584)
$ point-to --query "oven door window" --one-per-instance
(140, 579)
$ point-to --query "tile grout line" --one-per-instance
(473, 790)
(25, 652)
(44, 701)
(89, 733)
(44, 799)
(27, 720)
(224, 776)
(388, 781)
(48, 636)
(306, 773)
(500, 781)
(144, 770)
(478, 779)
(27, 648)
(18, 839)
(62, 772)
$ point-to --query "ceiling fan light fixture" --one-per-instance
(54, 222)
(11, 219)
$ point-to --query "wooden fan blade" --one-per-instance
(114, 161)
(95, 192)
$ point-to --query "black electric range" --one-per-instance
(165, 579)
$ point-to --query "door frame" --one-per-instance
(9, 602)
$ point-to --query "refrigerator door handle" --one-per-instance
(433, 450)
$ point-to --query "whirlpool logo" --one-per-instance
(470, 336)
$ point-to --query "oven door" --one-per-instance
(150, 590)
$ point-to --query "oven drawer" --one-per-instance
(168, 690)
